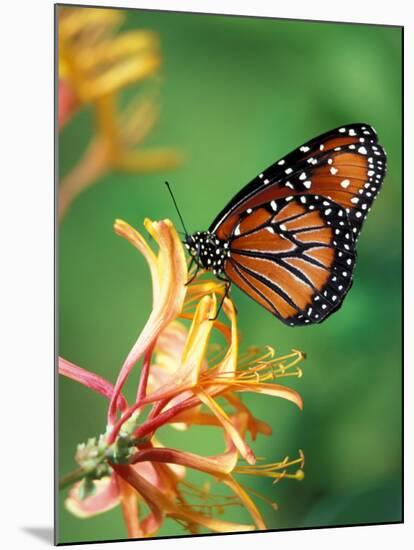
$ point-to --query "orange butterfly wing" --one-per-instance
(295, 257)
(345, 165)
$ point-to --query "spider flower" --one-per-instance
(96, 63)
(185, 380)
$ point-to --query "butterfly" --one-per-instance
(287, 239)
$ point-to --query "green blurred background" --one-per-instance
(239, 93)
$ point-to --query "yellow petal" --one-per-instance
(188, 370)
(137, 120)
(198, 338)
(101, 55)
(72, 20)
(228, 366)
(227, 424)
(246, 500)
(119, 76)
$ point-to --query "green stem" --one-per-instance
(71, 478)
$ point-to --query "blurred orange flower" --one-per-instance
(183, 377)
(97, 62)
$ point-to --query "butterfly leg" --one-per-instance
(226, 293)
(193, 259)
(191, 279)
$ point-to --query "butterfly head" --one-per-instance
(207, 250)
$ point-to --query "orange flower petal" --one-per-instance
(123, 229)
(275, 390)
(217, 525)
(219, 464)
(158, 503)
(129, 504)
(227, 424)
(169, 275)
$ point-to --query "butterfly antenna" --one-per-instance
(176, 207)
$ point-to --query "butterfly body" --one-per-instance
(209, 252)
(288, 238)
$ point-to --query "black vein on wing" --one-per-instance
(254, 289)
(271, 284)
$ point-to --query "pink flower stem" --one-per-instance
(157, 419)
(141, 394)
(143, 381)
(151, 424)
(90, 380)
(144, 342)
(158, 407)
